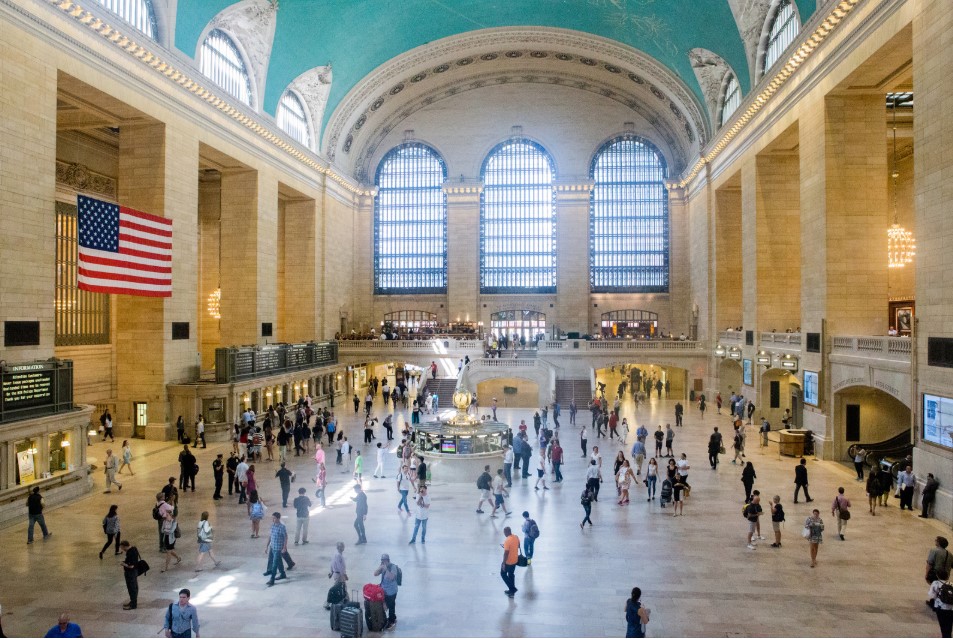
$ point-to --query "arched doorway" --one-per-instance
(523, 324)
(866, 415)
(639, 376)
(629, 323)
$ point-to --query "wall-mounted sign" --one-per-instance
(811, 388)
(938, 420)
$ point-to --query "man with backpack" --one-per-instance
(941, 594)
(485, 484)
(777, 518)
(530, 535)
(391, 579)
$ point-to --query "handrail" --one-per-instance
(895, 347)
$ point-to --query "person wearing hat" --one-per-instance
(388, 574)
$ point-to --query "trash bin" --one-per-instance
(691, 395)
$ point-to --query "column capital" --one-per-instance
(573, 189)
(460, 190)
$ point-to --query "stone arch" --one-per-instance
(881, 416)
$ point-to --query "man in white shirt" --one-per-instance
(499, 493)
(906, 481)
(508, 458)
(422, 513)
(346, 455)
(683, 468)
(379, 469)
(241, 474)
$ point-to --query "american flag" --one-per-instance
(123, 251)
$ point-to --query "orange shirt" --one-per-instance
(512, 548)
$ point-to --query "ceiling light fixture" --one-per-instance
(901, 245)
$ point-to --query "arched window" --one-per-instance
(138, 13)
(732, 98)
(517, 220)
(784, 28)
(292, 119)
(628, 219)
(410, 222)
(222, 63)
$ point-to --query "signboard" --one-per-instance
(35, 388)
(938, 420)
(811, 391)
(26, 466)
(247, 362)
(748, 376)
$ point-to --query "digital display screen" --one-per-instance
(748, 373)
(811, 388)
(938, 420)
(448, 446)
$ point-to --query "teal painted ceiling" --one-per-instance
(356, 36)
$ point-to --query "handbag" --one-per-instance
(806, 533)
(721, 449)
(177, 533)
(843, 513)
(521, 561)
(141, 567)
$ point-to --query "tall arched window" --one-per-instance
(517, 220)
(628, 219)
(292, 118)
(732, 98)
(222, 63)
(784, 28)
(138, 13)
(410, 222)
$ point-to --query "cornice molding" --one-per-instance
(79, 177)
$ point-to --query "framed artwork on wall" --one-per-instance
(901, 316)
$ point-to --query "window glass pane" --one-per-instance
(732, 98)
(292, 119)
(517, 220)
(628, 250)
(80, 317)
(223, 65)
(138, 13)
(784, 29)
(410, 222)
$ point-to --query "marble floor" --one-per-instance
(695, 571)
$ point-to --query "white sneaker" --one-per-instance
(760, 537)
(751, 546)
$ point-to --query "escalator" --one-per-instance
(889, 454)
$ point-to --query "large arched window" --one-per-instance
(732, 98)
(292, 118)
(222, 63)
(784, 28)
(410, 222)
(628, 219)
(138, 13)
(517, 220)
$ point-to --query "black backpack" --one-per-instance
(778, 514)
(483, 483)
(155, 513)
(945, 593)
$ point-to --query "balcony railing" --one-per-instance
(437, 345)
(601, 346)
(896, 348)
(781, 338)
(731, 337)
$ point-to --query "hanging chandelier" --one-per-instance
(901, 245)
(215, 304)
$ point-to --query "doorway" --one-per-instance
(140, 411)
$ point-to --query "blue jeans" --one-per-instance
(34, 519)
(652, 480)
(403, 500)
(559, 475)
(508, 574)
(528, 544)
(526, 457)
(423, 534)
(507, 472)
(275, 565)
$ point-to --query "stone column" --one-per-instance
(302, 251)
(249, 239)
(463, 250)
(572, 256)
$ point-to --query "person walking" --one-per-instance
(111, 529)
(360, 511)
(390, 577)
(34, 506)
(814, 532)
(651, 478)
(485, 486)
(337, 573)
(499, 492)
(404, 484)
(256, 512)
(379, 468)
(738, 445)
(859, 455)
(873, 489)
(777, 518)
(64, 628)
(592, 479)
(938, 558)
(800, 480)
(715, 443)
(277, 546)
(530, 535)
(747, 479)
(170, 526)
(841, 509)
(556, 457)
(204, 536)
(182, 619)
(624, 480)
(285, 477)
(638, 455)
(302, 506)
(636, 615)
(421, 515)
(111, 466)
(130, 571)
(511, 551)
(126, 458)
(541, 470)
(942, 605)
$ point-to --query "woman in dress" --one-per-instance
(169, 526)
(624, 480)
(204, 535)
(815, 533)
(256, 512)
(651, 478)
(747, 478)
(111, 529)
(251, 486)
(616, 465)
(126, 458)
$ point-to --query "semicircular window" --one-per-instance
(223, 64)
(292, 119)
(138, 13)
(784, 28)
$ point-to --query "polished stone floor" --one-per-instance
(695, 571)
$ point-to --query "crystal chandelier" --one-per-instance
(901, 245)
(215, 304)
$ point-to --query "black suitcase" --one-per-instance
(337, 593)
(352, 621)
(375, 614)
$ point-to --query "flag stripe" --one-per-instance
(164, 221)
(105, 258)
(135, 238)
(150, 230)
(124, 291)
(126, 275)
(119, 281)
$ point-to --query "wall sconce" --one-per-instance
(92, 432)
(720, 351)
(764, 358)
(734, 353)
(789, 362)
(64, 444)
(215, 304)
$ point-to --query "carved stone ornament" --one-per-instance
(751, 16)
(313, 86)
(710, 69)
(80, 178)
(252, 23)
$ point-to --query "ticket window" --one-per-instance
(59, 453)
(26, 453)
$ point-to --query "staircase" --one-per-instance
(444, 387)
(578, 389)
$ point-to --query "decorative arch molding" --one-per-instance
(711, 70)
(472, 60)
(751, 17)
(251, 25)
(313, 87)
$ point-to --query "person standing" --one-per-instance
(34, 505)
(421, 516)
(302, 506)
(388, 573)
(108, 427)
(285, 478)
(943, 609)
(200, 431)
(859, 455)
(241, 478)
(815, 533)
(583, 440)
(360, 511)
(508, 458)
(337, 572)
(64, 628)
(659, 439)
(277, 546)
(840, 508)
(938, 558)
(186, 469)
(180, 429)
(111, 529)
(669, 439)
(126, 458)
(204, 536)
(556, 457)
(679, 412)
(231, 467)
(636, 615)
(873, 489)
(928, 495)
(111, 466)
(753, 513)
(182, 619)
(572, 411)
(800, 480)
(359, 468)
(218, 473)
(777, 518)
(530, 535)
(906, 481)
(511, 551)
(130, 571)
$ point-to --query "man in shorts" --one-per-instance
(499, 492)
(753, 513)
(485, 485)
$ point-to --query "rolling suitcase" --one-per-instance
(665, 495)
(374, 612)
(351, 620)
